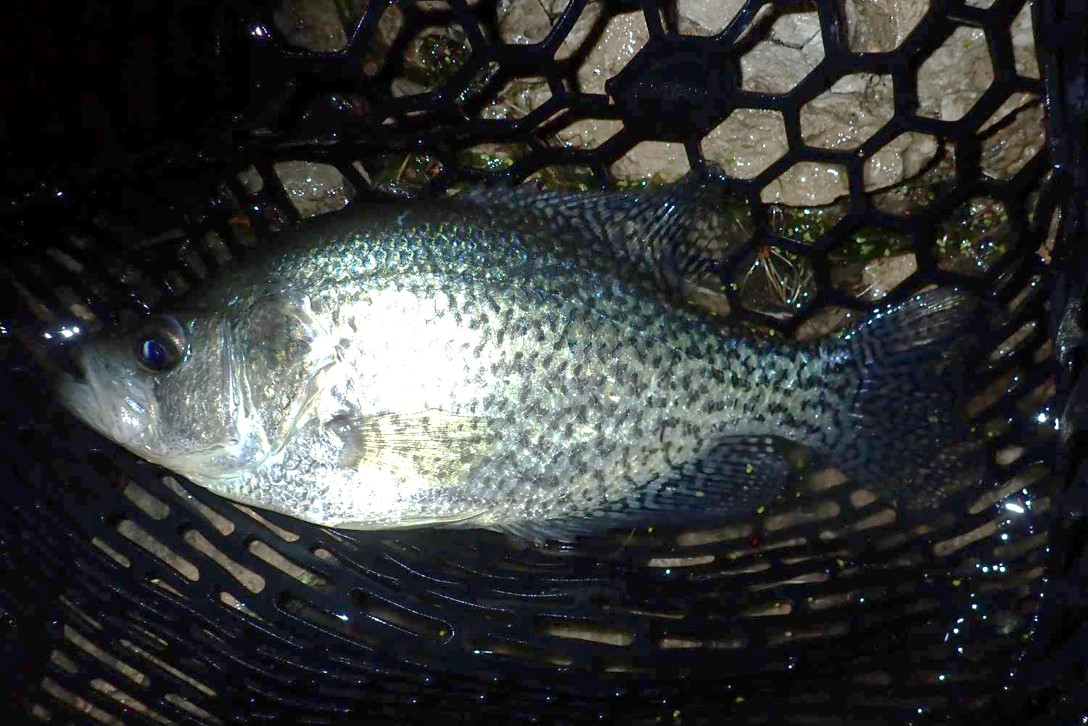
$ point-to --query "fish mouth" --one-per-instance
(82, 395)
(74, 389)
(78, 396)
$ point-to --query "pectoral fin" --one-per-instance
(430, 447)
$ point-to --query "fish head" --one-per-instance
(170, 389)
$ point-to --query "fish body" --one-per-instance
(506, 362)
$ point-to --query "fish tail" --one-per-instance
(900, 378)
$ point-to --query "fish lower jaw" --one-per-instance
(201, 470)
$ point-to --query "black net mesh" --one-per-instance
(871, 150)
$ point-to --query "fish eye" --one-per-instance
(161, 345)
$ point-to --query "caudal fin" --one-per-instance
(900, 377)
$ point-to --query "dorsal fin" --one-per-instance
(677, 232)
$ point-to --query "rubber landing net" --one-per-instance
(132, 596)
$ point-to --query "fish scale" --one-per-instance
(444, 363)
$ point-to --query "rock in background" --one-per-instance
(783, 49)
(950, 81)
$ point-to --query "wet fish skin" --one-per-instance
(462, 364)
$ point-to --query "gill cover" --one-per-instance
(280, 358)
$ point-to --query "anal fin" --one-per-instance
(730, 481)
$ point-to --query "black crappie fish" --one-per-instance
(511, 360)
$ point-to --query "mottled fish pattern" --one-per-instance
(513, 360)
